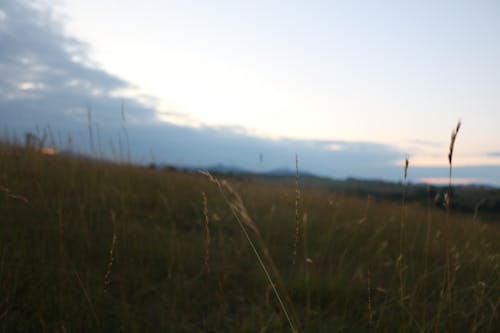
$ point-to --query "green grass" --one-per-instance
(54, 255)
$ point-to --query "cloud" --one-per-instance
(205, 146)
(494, 154)
(46, 74)
(3, 17)
(425, 143)
(48, 80)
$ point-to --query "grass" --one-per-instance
(90, 246)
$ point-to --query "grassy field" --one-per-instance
(87, 246)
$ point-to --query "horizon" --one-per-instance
(350, 88)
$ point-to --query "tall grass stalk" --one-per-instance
(207, 233)
(307, 262)
(453, 138)
(99, 144)
(86, 294)
(400, 264)
(124, 128)
(107, 276)
(297, 211)
(446, 291)
(120, 147)
(244, 221)
(91, 135)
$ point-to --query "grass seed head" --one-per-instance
(407, 163)
(454, 134)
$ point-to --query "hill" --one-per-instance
(481, 202)
(99, 247)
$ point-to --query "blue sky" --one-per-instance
(352, 87)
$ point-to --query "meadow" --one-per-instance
(90, 246)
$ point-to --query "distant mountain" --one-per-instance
(221, 168)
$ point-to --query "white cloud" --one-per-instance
(30, 86)
(335, 147)
(3, 19)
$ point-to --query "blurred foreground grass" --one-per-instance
(366, 265)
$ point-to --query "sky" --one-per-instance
(352, 87)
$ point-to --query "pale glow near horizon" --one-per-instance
(329, 71)
(445, 181)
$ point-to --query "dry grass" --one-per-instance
(454, 133)
(367, 265)
(207, 233)
(240, 213)
(111, 259)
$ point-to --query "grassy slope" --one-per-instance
(436, 273)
